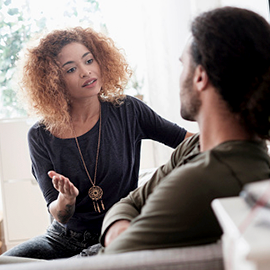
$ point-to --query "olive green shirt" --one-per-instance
(173, 208)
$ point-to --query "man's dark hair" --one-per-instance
(233, 45)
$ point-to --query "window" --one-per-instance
(20, 21)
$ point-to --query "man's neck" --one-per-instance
(212, 137)
(218, 125)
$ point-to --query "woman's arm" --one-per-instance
(157, 128)
(62, 209)
(59, 193)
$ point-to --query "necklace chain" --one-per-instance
(93, 182)
(94, 192)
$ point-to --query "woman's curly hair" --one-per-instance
(43, 84)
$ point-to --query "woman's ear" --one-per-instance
(200, 78)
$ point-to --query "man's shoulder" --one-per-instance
(191, 144)
(236, 160)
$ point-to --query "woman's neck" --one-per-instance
(83, 112)
(84, 116)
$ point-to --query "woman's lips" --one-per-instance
(89, 82)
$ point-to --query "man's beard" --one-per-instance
(190, 101)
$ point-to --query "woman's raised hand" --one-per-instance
(63, 185)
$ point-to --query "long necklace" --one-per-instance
(95, 192)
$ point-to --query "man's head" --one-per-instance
(232, 45)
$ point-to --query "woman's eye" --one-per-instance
(89, 61)
(71, 70)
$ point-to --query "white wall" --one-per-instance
(259, 6)
(152, 33)
(21, 200)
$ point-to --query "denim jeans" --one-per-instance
(57, 242)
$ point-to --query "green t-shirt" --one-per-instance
(173, 208)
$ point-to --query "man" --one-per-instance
(225, 87)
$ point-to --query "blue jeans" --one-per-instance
(58, 242)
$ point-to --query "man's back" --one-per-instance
(178, 211)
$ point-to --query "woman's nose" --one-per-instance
(85, 72)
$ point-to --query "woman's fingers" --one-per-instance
(63, 184)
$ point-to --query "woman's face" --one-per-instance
(81, 71)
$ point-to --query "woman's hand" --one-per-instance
(115, 230)
(63, 185)
(63, 208)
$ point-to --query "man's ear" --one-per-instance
(200, 78)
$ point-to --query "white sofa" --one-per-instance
(206, 257)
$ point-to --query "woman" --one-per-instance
(85, 150)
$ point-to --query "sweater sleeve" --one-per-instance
(130, 207)
(41, 164)
(155, 127)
